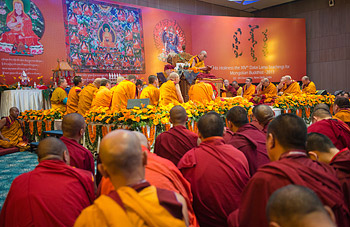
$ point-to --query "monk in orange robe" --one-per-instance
(308, 86)
(86, 95)
(170, 91)
(197, 62)
(123, 92)
(134, 202)
(103, 96)
(151, 91)
(59, 96)
(287, 86)
(11, 131)
(73, 96)
(53, 194)
(201, 92)
(161, 173)
(248, 89)
(119, 79)
(266, 92)
(341, 108)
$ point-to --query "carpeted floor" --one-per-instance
(12, 165)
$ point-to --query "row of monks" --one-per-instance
(244, 174)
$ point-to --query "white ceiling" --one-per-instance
(262, 4)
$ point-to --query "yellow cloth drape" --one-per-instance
(248, 92)
(85, 98)
(167, 94)
(152, 93)
(58, 95)
(73, 99)
(201, 92)
(102, 97)
(309, 89)
(123, 92)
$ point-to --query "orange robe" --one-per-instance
(73, 99)
(85, 98)
(102, 97)
(123, 92)
(152, 93)
(292, 89)
(343, 115)
(248, 92)
(269, 92)
(198, 64)
(12, 131)
(168, 94)
(201, 92)
(310, 88)
(58, 95)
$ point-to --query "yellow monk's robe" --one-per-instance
(239, 91)
(140, 209)
(248, 92)
(292, 89)
(270, 92)
(198, 64)
(152, 93)
(102, 98)
(85, 98)
(73, 100)
(124, 91)
(201, 92)
(58, 98)
(12, 131)
(343, 115)
(309, 88)
(167, 94)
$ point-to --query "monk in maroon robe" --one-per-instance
(247, 138)
(262, 116)
(73, 127)
(53, 194)
(337, 131)
(218, 172)
(174, 143)
(321, 148)
(290, 165)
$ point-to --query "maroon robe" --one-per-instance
(252, 142)
(53, 194)
(341, 164)
(260, 127)
(294, 167)
(218, 173)
(337, 131)
(80, 157)
(173, 144)
(228, 134)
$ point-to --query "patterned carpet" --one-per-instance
(12, 165)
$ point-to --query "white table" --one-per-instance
(22, 99)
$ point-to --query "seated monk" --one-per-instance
(262, 116)
(123, 92)
(248, 89)
(201, 92)
(161, 173)
(247, 138)
(337, 131)
(59, 96)
(168, 68)
(139, 87)
(73, 127)
(119, 79)
(308, 86)
(321, 148)
(53, 194)
(296, 205)
(11, 131)
(170, 91)
(103, 96)
(238, 88)
(266, 92)
(134, 202)
(218, 172)
(228, 90)
(86, 95)
(73, 96)
(287, 86)
(175, 142)
(286, 139)
(197, 62)
(151, 91)
(341, 109)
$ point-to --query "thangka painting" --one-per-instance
(168, 38)
(104, 37)
(21, 28)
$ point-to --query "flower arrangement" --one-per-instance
(41, 115)
(302, 101)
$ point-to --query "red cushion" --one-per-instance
(11, 150)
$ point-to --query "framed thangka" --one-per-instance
(21, 28)
(103, 37)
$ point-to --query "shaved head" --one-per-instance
(173, 76)
(238, 116)
(121, 154)
(263, 114)
(321, 114)
(97, 82)
(51, 148)
(131, 77)
(287, 77)
(211, 124)
(342, 102)
(321, 106)
(318, 142)
(178, 115)
(142, 138)
(14, 112)
(72, 124)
